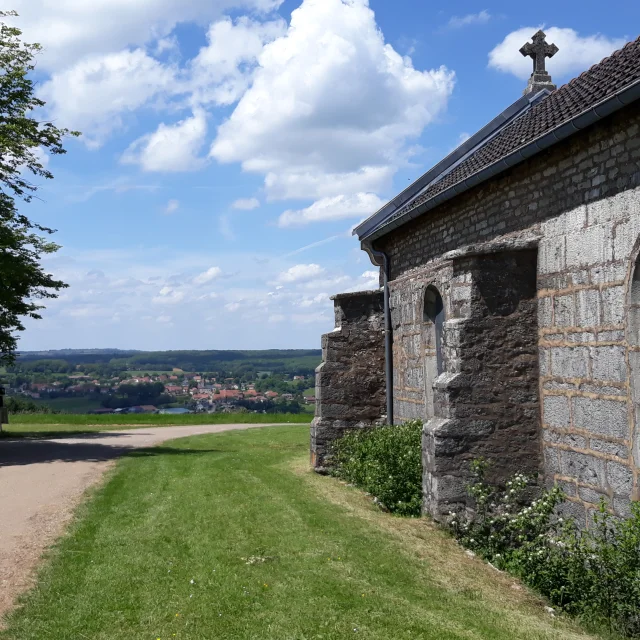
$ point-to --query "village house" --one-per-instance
(508, 319)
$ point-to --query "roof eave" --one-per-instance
(489, 130)
(610, 105)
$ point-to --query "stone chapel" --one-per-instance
(508, 318)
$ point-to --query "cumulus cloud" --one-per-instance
(331, 106)
(208, 276)
(72, 29)
(301, 273)
(172, 206)
(576, 53)
(222, 70)
(457, 22)
(167, 295)
(336, 208)
(93, 94)
(246, 204)
(171, 148)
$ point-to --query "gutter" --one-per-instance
(388, 331)
(617, 101)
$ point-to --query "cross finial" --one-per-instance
(539, 49)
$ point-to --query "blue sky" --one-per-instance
(229, 147)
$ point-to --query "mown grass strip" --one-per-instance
(35, 424)
(229, 536)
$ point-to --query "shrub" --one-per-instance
(16, 405)
(594, 573)
(386, 462)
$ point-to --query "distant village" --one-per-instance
(175, 392)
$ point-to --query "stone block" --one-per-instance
(545, 312)
(563, 311)
(583, 468)
(590, 246)
(570, 362)
(556, 411)
(575, 441)
(601, 417)
(552, 462)
(608, 273)
(613, 299)
(567, 222)
(619, 478)
(609, 448)
(552, 255)
(590, 495)
(587, 308)
(608, 363)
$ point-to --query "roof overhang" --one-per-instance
(383, 222)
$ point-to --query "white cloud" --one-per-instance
(171, 148)
(164, 319)
(72, 29)
(301, 273)
(319, 299)
(457, 22)
(331, 106)
(576, 53)
(172, 206)
(208, 276)
(167, 295)
(246, 204)
(93, 94)
(232, 306)
(222, 70)
(336, 208)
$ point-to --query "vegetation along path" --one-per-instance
(230, 536)
(41, 481)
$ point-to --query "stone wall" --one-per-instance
(350, 382)
(485, 402)
(580, 200)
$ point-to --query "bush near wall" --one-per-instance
(386, 462)
(593, 574)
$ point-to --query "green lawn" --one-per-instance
(230, 536)
(44, 424)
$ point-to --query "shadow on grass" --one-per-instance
(51, 435)
(23, 452)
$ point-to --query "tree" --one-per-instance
(23, 139)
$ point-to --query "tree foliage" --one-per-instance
(23, 139)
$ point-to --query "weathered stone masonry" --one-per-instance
(580, 204)
(350, 382)
(513, 275)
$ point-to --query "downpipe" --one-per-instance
(388, 331)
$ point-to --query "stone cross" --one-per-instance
(539, 50)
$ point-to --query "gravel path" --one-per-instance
(41, 481)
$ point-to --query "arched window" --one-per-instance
(433, 325)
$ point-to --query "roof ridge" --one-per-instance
(602, 83)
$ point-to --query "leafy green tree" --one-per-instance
(23, 138)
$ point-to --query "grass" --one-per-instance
(51, 425)
(231, 536)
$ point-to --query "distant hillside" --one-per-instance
(296, 361)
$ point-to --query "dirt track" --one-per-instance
(41, 481)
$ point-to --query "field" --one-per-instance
(230, 536)
(58, 424)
